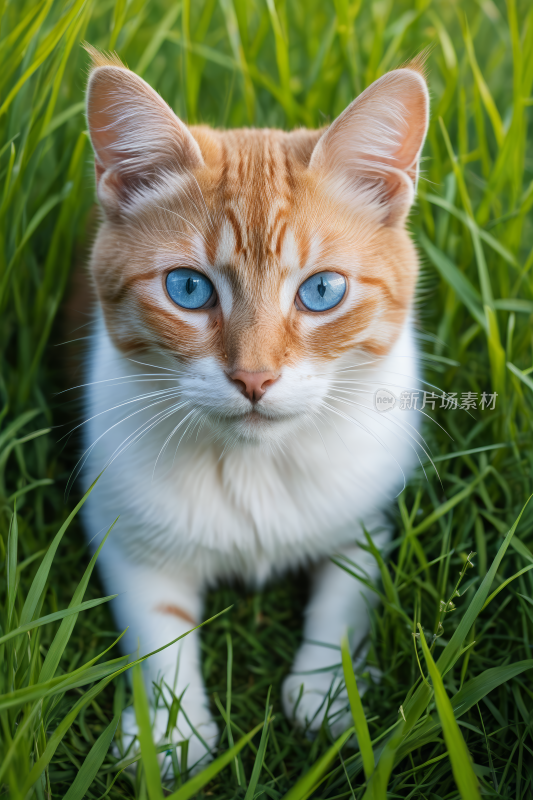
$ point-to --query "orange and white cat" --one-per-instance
(255, 288)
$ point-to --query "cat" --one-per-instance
(254, 289)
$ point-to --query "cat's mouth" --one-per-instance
(257, 416)
(254, 416)
(256, 421)
(260, 425)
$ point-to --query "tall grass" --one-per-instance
(452, 716)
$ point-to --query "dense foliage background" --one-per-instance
(282, 63)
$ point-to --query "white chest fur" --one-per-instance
(246, 509)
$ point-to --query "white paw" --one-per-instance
(201, 736)
(310, 699)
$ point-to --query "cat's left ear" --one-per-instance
(136, 136)
(371, 152)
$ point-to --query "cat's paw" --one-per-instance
(310, 699)
(201, 734)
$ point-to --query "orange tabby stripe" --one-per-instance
(176, 611)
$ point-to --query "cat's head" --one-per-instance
(254, 261)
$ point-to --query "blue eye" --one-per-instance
(322, 291)
(189, 289)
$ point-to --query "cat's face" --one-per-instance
(254, 261)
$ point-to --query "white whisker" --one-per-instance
(312, 420)
(169, 437)
(81, 462)
(363, 427)
(385, 419)
(120, 381)
(138, 434)
(418, 410)
(210, 221)
(188, 222)
(162, 394)
(156, 366)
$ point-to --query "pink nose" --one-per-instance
(253, 385)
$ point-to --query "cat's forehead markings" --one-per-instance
(226, 246)
(198, 245)
(290, 260)
(224, 292)
(314, 250)
(301, 257)
(290, 252)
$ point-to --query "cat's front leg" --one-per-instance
(338, 606)
(157, 606)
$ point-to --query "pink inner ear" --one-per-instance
(386, 125)
(416, 126)
(105, 130)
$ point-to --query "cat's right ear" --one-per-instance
(136, 136)
(371, 152)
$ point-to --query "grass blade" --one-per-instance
(158, 38)
(359, 719)
(479, 687)
(261, 752)
(193, 786)
(61, 639)
(414, 707)
(57, 736)
(456, 279)
(526, 380)
(239, 769)
(506, 583)
(463, 772)
(232, 25)
(446, 660)
(55, 617)
(496, 245)
(12, 547)
(73, 680)
(39, 582)
(308, 782)
(488, 102)
(282, 57)
(146, 741)
(46, 48)
(92, 763)
(468, 696)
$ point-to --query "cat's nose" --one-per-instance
(253, 385)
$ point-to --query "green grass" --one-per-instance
(283, 63)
